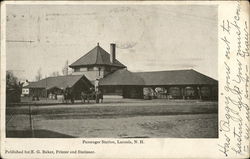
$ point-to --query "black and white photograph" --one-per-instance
(111, 71)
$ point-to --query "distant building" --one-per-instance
(25, 90)
(102, 70)
(56, 85)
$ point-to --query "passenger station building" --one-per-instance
(101, 70)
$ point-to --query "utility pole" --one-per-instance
(46, 93)
(31, 122)
(65, 69)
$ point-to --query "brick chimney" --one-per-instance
(112, 53)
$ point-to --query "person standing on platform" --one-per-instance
(100, 95)
(97, 96)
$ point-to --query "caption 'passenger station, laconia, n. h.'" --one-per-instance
(100, 70)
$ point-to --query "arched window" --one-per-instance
(189, 91)
(174, 91)
(205, 92)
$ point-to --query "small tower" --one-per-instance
(97, 63)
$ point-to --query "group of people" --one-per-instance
(67, 96)
(92, 95)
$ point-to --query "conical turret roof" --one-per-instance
(96, 56)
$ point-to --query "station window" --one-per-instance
(99, 70)
(90, 68)
(77, 69)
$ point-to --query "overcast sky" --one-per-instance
(148, 37)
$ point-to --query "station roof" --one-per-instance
(96, 56)
(60, 82)
(158, 78)
(176, 77)
(122, 77)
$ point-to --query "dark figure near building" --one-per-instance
(91, 94)
(99, 96)
(65, 96)
(84, 96)
(68, 96)
(35, 97)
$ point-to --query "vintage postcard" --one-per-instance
(125, 79)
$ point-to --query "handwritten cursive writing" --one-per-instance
(234, 124)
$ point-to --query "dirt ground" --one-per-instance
(142, 119)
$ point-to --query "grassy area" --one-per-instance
(169, 126)
(138, 107)
(36, 134)
(134, 118)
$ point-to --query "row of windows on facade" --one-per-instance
(161, 89)
(91, 69)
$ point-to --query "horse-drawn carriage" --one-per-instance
(92, 95)
(86, 95)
